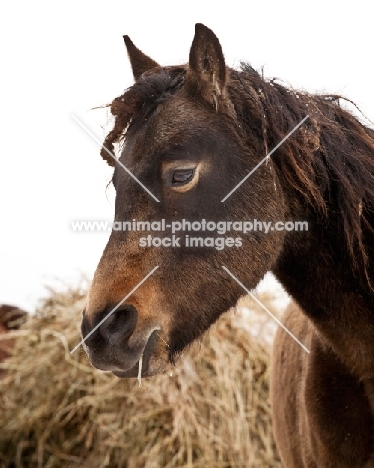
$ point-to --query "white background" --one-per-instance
(63, 58)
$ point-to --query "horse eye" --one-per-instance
(182, 176)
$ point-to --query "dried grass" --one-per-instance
(57, 411)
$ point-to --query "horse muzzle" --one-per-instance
(116, 342)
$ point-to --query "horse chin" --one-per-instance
(151, 371)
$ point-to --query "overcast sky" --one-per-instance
(64, 58)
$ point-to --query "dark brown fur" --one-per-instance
(11, 318)
(223, 122)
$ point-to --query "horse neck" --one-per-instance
(316, 270)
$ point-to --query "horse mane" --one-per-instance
(139, 101)
(329, 160)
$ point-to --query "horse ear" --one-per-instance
(140, 62)
(206, 69)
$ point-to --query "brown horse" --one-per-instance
(11, 318)
(190, 134)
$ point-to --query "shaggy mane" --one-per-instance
(139, 101)
(329, 159)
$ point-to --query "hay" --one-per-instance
(57, 411)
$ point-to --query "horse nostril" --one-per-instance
(119, 326)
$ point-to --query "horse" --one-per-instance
(189, 136)
(11, 318)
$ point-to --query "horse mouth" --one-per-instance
(148, 368)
